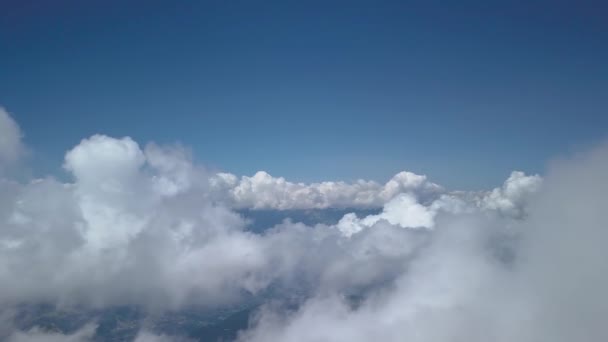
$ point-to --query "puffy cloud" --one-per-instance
(511, 198)
(102, 160)
(440, 295)
(263, 191)
(115, 234)
(149, 227)
(459, 287)
(403, 211)
(408, 182)
(174, 171)
(11, 147)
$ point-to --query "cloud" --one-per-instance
(263, 191)
(105, 162)
(116, 235)
(11, 146)
(458, 288)
(36, 335)
(147, 226)
(511, 198)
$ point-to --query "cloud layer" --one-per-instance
(11, 147)
(550, 288)
(151, 228)
(262, 191)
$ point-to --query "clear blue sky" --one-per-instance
(313, 90)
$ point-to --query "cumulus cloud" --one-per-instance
(403, 211)
(511, 198)
(263, 191)
(458, 288)
(149, 227)
(146, 226)
(115, 233)
(11, 146)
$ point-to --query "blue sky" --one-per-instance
(313, 90)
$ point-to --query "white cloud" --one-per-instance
(523, 262)
(146, 336)
(512, 196)
(263, 191)
(115, 234)
(105, 162)
(149, 227)
(11, 146)
(458, 289)
(403, 211)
